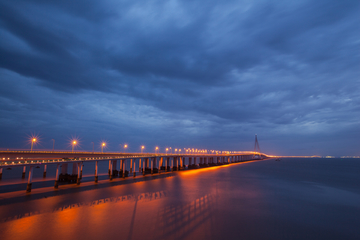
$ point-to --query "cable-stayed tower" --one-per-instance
(257, 147)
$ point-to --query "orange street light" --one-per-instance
(125, 146)
(32, 143)
(142, 147)
(167, 150)
(73, 145)
(102, 147)
(156, 149)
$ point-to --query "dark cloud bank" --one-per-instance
(203, 74)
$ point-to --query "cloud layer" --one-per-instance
(203, 74)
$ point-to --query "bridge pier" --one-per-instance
(78, 174)
(152, 170)
(134, 168)
(81, 168)
(109, 167)
(23, 172)
(124, 168)
(28, 188)
(144, 164)
(111, 170)
(1, 173)
(96, 172)
(56, 185)
(131, 166)
(160, 164)
(172, 164)
(45, 168)
(139, 165)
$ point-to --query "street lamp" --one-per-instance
(125, 146)
(142, 148)
(167, 150)
(32, 143)
(175, 150)
(102, 147)
(156, 149)
(73, 145)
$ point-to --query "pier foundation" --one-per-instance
(28, 188)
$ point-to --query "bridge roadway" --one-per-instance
(130, 163)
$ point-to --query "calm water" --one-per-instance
(287, 199)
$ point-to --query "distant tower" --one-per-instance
(256, 147)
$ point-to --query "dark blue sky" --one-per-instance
(202, 74)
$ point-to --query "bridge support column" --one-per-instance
(124, 168)
(56, 185)
(144, 164)
(23, 172)
(152, 163)
(181, 163)
(160, 163)
(78, 174)
(131, 169)
(96, 172)
(110, 170)
(45, 168)
(172, 164)
(0, 173)
(28, 188)
(190, 160)
(81, 168)
(167, 164)
(134, 168)
(139, 165)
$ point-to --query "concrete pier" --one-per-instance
(78, 174)
(28, 188)
(131, 166)
(96, 172)
(124, 168)
(134, 168)
(1, 173)
(110, 175)
(109, 167)
(23, 172)
(56, 185)
(45, 168)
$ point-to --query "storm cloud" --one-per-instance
(202, 74)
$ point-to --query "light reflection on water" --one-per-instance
(259, 200)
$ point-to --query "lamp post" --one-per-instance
(125, 146)
(142, 148)
(156, 149)
(167, 150)
(73, 145)
(32, 143)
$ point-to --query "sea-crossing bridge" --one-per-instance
(130, 164)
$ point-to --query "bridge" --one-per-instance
(130, 164)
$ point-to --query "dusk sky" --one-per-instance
(199, 74)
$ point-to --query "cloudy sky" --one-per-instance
(203, 74)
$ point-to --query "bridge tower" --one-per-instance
(257, 147)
